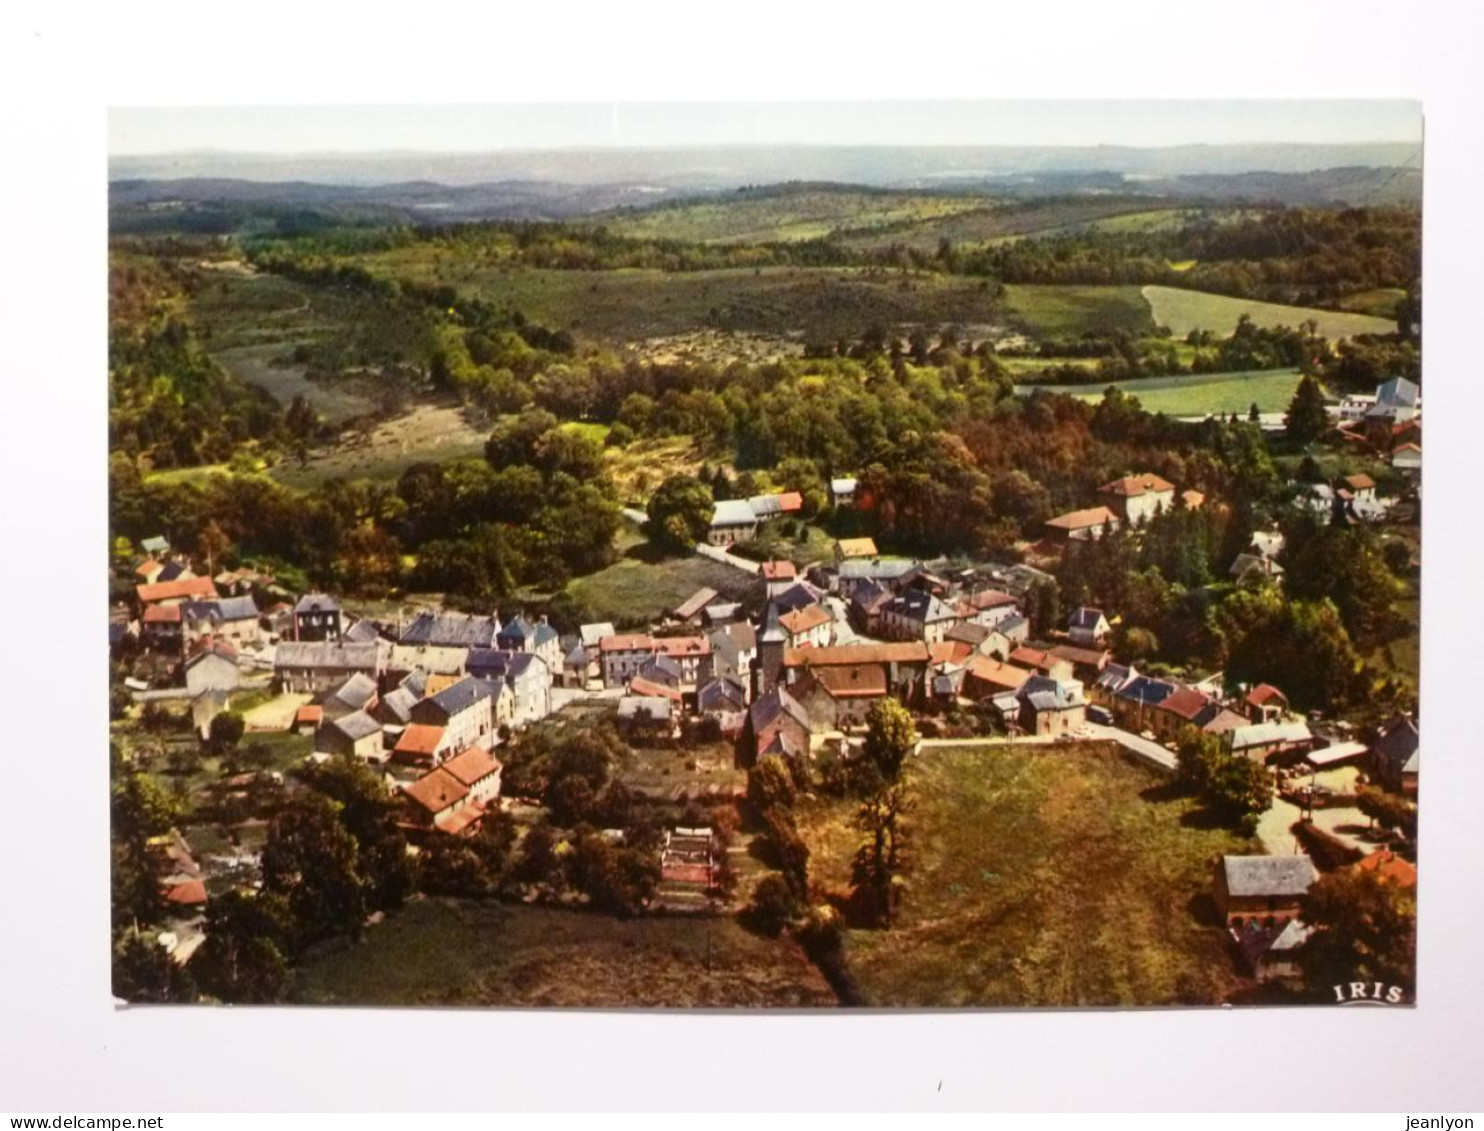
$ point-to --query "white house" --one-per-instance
(1088, 626)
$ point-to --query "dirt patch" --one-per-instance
(386, 449)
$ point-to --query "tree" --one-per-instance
(143, 972)
(140, 809)
(770, 785)
(311, 860)
(245, 956)
(1364, 930)
(1240, 788)
(890, 737)
(680, 513)
(225, 733)
(1307, 418)
(370, 817)
(773, 905)
(880, 859)
(450, 866)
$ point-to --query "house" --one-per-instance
(161, 629)
(721, 612)
(1390, 867)
(356, 735)
(732, 521)
(450, 630)
(579, 666)
(851, 549)
(978, 640)
(986, 677)
(645, 716)
(1398, 400)
(1114, 679)
(809, 627)
(842, 491)
(1016, 629)
(430, 659)
(1266, 889)
(318, 666)
(538, 638)
(916, 615)
(1255, 569)
(466, 712)
(1051, 706)
(1043, 663)
(175, 592)
(357, 693)
(1087, 663)
(691, 653)
(1266, 543)
(1360, 486)
(905, 663)
(724, 699)
(893, 574)
(662, 671)
(1270, 953)
(148, 571)
(212, 667)
(733, 652)
(440, 800)
(780, 503)
(478, 771)
(689, 611)
(623, 655)
(839, 696)
(307, 718)
(525, 674)
(866, 604)
(420, 744)
(317, 616)
(1407, 458)
(155, 546)
(1082, 526)
(797, 596)
(1088, 626)
(1135, 499)
(779, 725)
(1181, 708)
(363, 631)
(1265, 704)
(989, 607)
(777, 576)
(1134, 702)
(1267, 742)
(1396, 756)
(394, 709)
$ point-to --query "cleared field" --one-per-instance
(1198, 394)
(448, 952)
(1379, 303)
(1054, 876)
(784, 217)
(1068, 311)
(336, 401)
(625, 306)
(999, 222)
(1183, 311)
(428, 432)
(637, 591)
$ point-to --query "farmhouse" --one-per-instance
(317, 616)
(357, 693)
(839, 697)
(916, 615)
(420, 744)
(1138, 498)
(177, 591)
(623, 655)
(905, 664)
(1265, 889)
(318, 666)
(1087, 626)
(212, 667)
(466, 712)
(1051, 706)
(356, 735)
(851, 549)
(1271, 741)
(1083, 525)
(809, 627)
(732, 521)
(450, 630)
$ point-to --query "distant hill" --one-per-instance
(726, 167)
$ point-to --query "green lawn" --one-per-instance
(448, 952)
(1183, 311)
(1068, 311)
(1047, 876)
(1197, 394)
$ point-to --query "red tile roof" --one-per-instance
(991, 599)
(630, 642)
(1389, 866)
(162, 614)
(1360, 482)
(790, 501)
(682, 646)
(1083, 519)
(853, 681)
(1265, 693)
(1185, 702)
(990, 670)
(309, 713)
(779, 571)
(147, 567)
(802, 620)
(419, 740)
(470, 765)
(641, 686)
(437, 790)
(187, 892)
(459, 820)
(1132, 486)
(907, 652)
(179, 589)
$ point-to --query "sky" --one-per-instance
(450, 129)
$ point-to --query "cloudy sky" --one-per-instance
(318, 129)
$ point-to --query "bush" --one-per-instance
(1326, 850)
(773, 905)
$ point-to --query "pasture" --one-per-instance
(1183, 311)
(1052, 311)
(1199, 394)
(638, 589)
(464, 952)
(1061, 875)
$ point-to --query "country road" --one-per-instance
(718, 554)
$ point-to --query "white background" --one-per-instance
(67, 1049)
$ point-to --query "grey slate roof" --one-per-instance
(362, 632)
(592, 634)
(1085, 617)
(1268, 875)
(462, 695)
(860, 569)
(327, 654)
(356, 691)
(660, 669)
(356, 725)
(1143, 689)
(797, 596)
(499, 663)
(317, 603)
(397, 704)
(451, 630)
(767, 707)
(919, 606)
(733, 512)
(1046, 694)
(721, 694)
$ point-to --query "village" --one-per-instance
(431, 698)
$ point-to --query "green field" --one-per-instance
(785, 216)
(1005, 221)
(449, 952)
(636, 591)
(1047, 876)
(1197, 394)
(1183, 311)
(1380, 303)
(1069, 311)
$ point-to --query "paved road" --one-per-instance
(633, 514)
(1149, 751)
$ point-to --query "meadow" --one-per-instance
(1054, 311)
(1200, 394)
(639, 588)
(1047, 876)
(1183, 311)
(451, 952)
